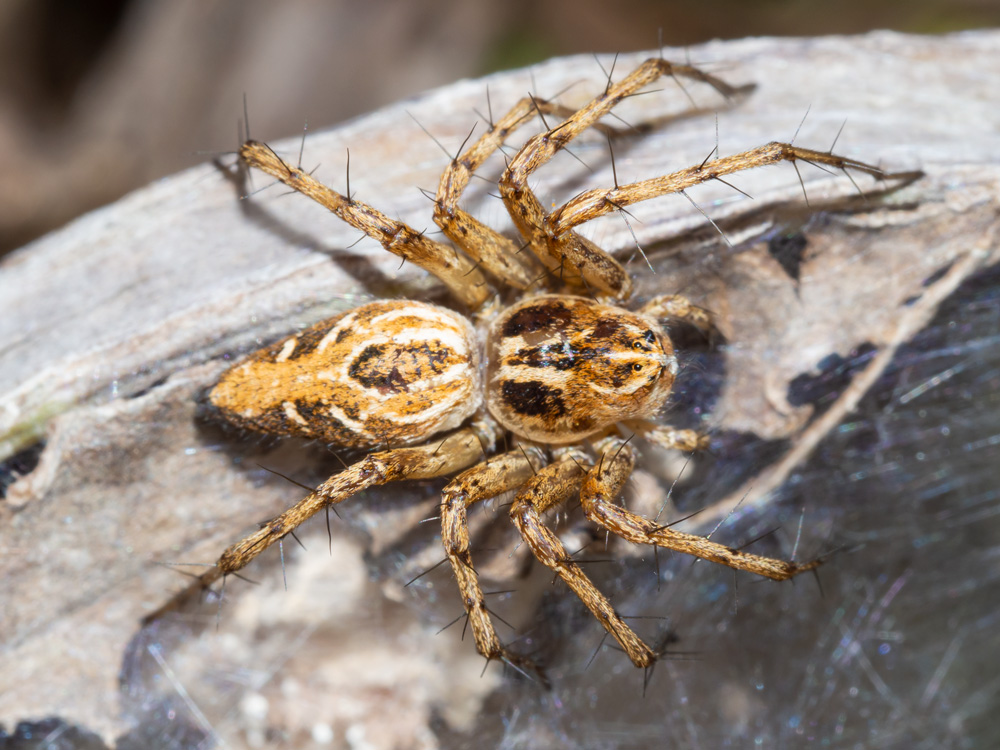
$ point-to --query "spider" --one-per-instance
(530, 397)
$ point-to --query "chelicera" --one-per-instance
(536, 397)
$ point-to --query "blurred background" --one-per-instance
(99, 98)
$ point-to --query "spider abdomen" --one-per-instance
(561, 368)
(386, 373)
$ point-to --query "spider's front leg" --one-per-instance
(497, 254)
(563, 251)
(594, 203)
(440, 457)
(678, 307)
(602, 486)
(551, 236)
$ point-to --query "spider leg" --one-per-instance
(593, 203)
(677, 307)
(551, 236)
(440, 457)
(604, 484)
(482, 482)
(669, 437)
(500, 256)
(454, 269)
(562, 248)
(552, 485)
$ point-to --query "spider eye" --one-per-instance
(637, 367)
(638, 345)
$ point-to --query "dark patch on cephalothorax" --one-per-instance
(547, 315)
(606, 328)
(621, 375)
(533, 398)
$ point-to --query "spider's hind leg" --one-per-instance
(437, 458)
(482, 482)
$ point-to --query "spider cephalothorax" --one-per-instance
(541, 387)
(561, 368)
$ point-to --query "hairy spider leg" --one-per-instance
(602, 486)
(597, 487)
(678, 307)
(553, 485)
(566, 248)
(593, 203)
(439, 457)
(486, 480)
(551, 236)
(455, 270)
(499, 255)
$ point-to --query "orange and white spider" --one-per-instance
(532, 393)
